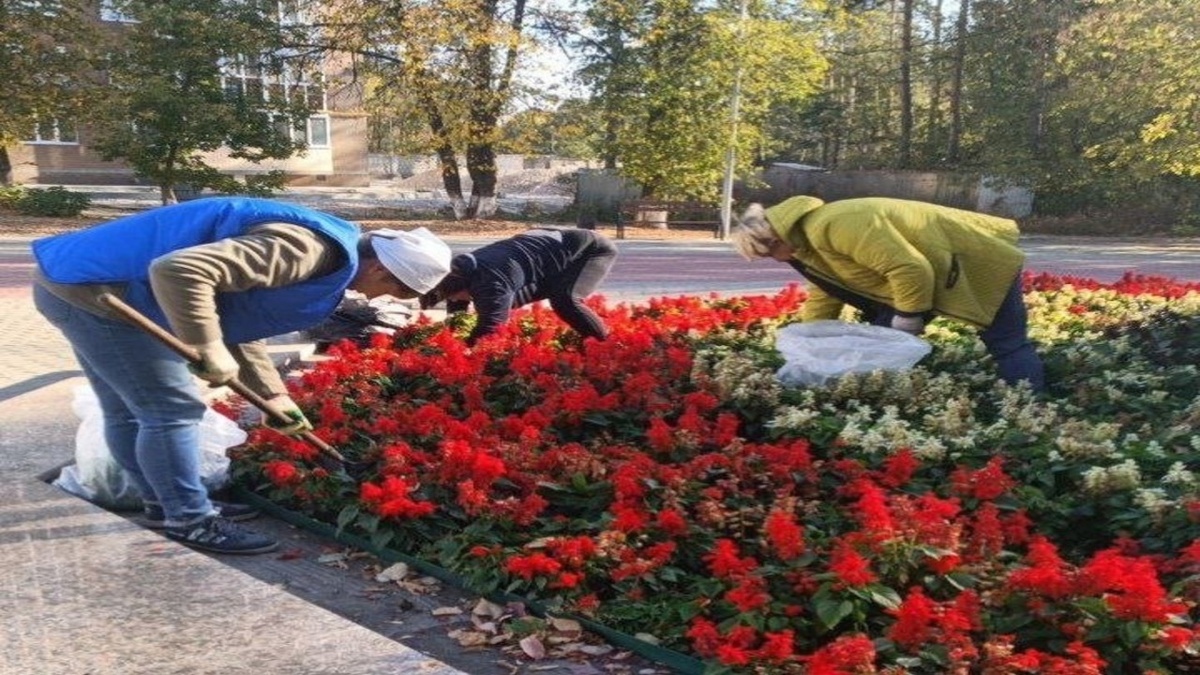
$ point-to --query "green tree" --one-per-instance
(666, 91)
(44, 67)
(1132, 68)
(193, 76)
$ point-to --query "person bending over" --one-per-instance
(222, 273)
(901, 263)
(562, 266)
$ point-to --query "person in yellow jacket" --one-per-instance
(901, 263)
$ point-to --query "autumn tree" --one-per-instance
(455, 62)
(565, 131)
(44, 68)
(190, 77)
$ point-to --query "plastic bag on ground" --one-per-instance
(96, 477)
(818, 352)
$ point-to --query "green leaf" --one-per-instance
(831, 611)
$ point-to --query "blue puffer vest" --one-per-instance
(121, 252)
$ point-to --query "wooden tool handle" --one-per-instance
(188, 352)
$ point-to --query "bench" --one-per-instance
(681, 213)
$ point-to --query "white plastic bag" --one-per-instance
(820, 351)
(96, 477)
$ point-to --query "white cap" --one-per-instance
(417, 258)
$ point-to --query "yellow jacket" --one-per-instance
(912, 256)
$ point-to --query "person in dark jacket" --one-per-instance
(562, 266)
(223, 273)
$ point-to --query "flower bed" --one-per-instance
(664, 484)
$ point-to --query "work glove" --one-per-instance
(287, 406)
(217, 366)
(913, 325)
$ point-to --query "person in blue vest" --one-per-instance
(223, 274)
(561, 266)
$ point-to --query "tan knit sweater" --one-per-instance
(186, 283)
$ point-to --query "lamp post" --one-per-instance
(731, 151)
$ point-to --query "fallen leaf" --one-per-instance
(488, 608)
(533, 647)
(336, 559)
(469, 638)
(595, 650)
(446, 611)
(395, 572)
(565, 625)
(417, 587)
(485, 626)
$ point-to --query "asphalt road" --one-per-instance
(31, 352)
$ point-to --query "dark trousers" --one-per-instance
(1007, 340)
(595, 256)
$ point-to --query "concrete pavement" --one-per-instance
(86, 591)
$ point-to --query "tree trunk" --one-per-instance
(953, 145)
(452, 181)
(488, 99)
(447, 160)
(904, 159)
(5, 167)
(934, 133)
(481, 165)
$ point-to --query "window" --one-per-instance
(248, 77)
(314, 131)
(54, 131)
(318, 131)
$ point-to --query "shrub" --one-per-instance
(10, 195)
(54, 201)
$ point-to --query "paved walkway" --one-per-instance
(85, 591)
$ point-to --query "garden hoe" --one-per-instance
(186, 351)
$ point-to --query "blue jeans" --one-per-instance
(151, 404)
(1007, 340)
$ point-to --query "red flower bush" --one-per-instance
(660, 481)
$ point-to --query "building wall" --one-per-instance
(342, 163)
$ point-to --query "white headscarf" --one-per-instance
(417, 258)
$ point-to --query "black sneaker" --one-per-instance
(218, 535)
(154, 518)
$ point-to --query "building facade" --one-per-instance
(57, 152)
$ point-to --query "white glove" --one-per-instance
(217, 366)
(284, 404)
(913, 325)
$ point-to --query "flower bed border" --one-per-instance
(670, 658)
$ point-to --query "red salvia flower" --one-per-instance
(724, 560)
(850, 567)
(785, 536)
(914, 620)
(529, 566)
(847, 655)
(1047, 574)
(282, 472)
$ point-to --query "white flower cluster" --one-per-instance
(741, 380)
(1080, 439)
(1179, 475)
(1023, 413)
(888, 432)
(1154, 501)
(1121, 477)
